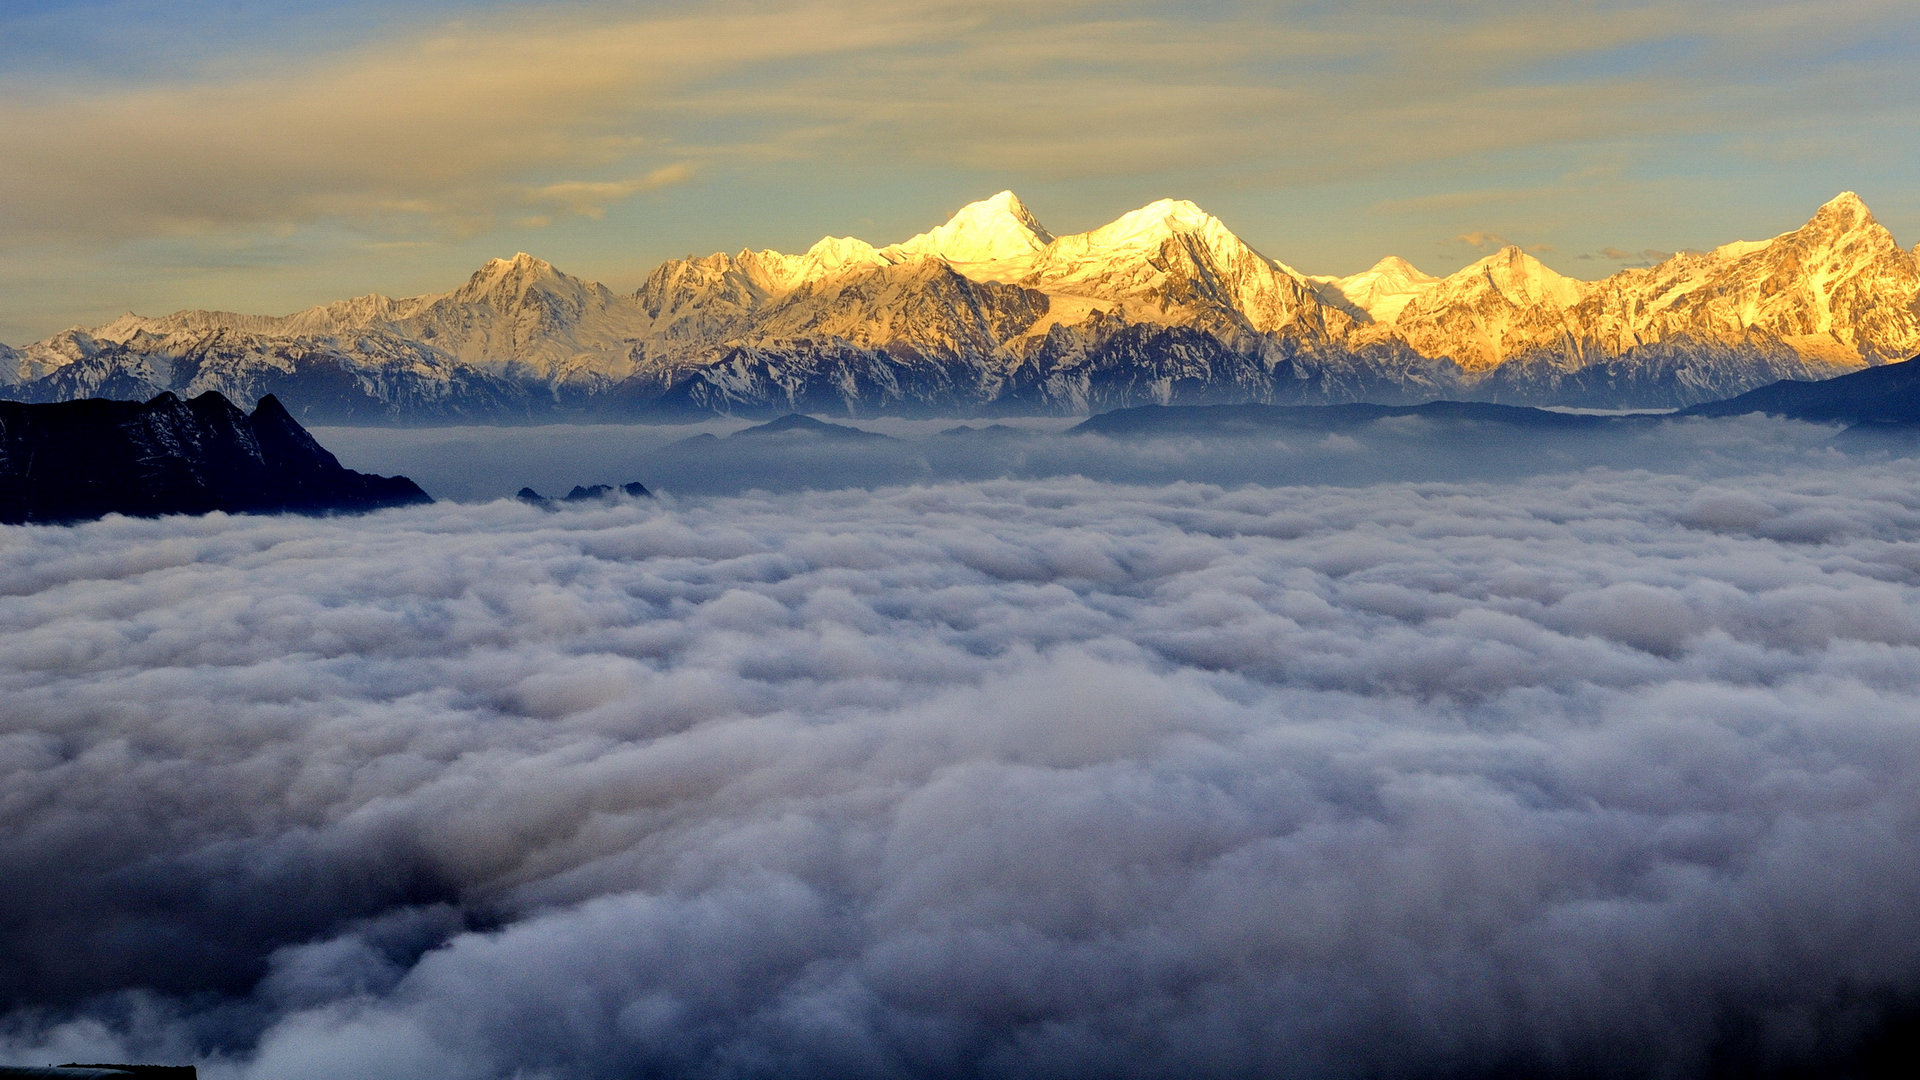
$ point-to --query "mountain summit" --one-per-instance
(992, 312)
(1519, 278)
(991, 230)
(1385, 289)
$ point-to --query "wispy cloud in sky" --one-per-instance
(620, 134)
(442, 127)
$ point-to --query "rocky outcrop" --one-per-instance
(74, 460)
(582, 493)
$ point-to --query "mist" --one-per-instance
(729, 456)
(1397, 752)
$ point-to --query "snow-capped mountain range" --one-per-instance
(991, 312)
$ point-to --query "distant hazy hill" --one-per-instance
(991, 312)
(1882, 395)
(1226, 419)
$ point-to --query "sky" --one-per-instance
(264, 156)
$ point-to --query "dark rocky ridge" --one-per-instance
(1888, 395)
(582, 493)
(74, 460)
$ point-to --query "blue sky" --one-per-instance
(265, 156)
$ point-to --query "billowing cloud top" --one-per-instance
(1041, 777)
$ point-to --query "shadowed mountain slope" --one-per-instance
(74, 460)
(1880, 395)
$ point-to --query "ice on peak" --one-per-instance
(1844, 212)
(1157, 219)
(521, 260)
(128, 324)
(1181, 210)
(1513, 259)
(1521, 278)
(1385, 289)
(1842, 215)
(995, 229)
(1739, 249)
(1146, 229)
(1005, 206)
(841, 250)
(521, 266)
(1393, 266)
(829, 257)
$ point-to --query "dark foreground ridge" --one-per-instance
(75, 460)
(1888, 395)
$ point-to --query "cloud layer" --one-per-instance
(1603, 773)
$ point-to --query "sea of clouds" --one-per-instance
(1598, 771)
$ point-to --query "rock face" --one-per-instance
(991, 312)
(84, 459)
(582, 493)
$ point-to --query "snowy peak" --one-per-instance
(1385, 289)
(830, 256)
(507, 281)
(522, 261)
(744, 280)
(1395, 268)
(1165, 215)
(1838, 288)
(1845, 212)
(1521, 279)
(1155, 223)
(523, 318)
(923, 306)
(1843, 222)
(1489, 311)
(522, 267)
(1170, 262)
(1136, 239)
(998, 229)
(835, 251)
